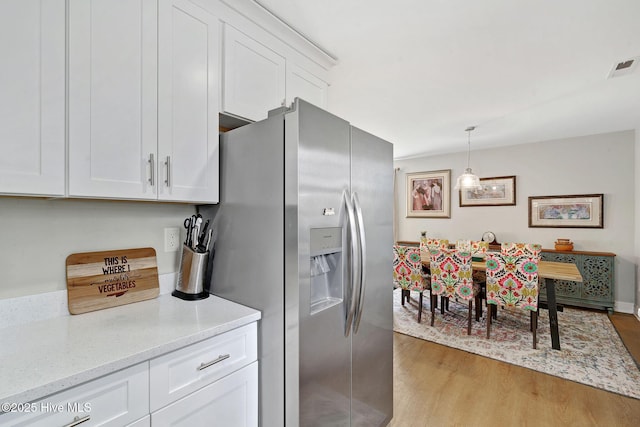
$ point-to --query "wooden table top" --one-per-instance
(546, 269)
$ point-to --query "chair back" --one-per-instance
(428, 244)
(512, 279)
(463, 245)
(479, 247)
(451, 273)
(517, 249)
(407, 268)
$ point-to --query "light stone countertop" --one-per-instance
(46, 356)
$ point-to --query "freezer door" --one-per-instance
(317, 354)
(372, 341)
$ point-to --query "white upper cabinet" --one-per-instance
(253, 76)
(32, 100)
(143, 102)
(187, 103)
(112, 98)
(303, 84)
(119, 99)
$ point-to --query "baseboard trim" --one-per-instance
(623, 307)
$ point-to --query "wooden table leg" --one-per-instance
(553, 313)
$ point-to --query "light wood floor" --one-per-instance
(435, 385)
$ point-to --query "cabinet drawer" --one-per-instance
(231, 401)
(184, 371)
(117, 399)
(142, 422)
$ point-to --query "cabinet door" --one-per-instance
(231, 401)
(176, 374)
(188, 103)
(142, 422)
(254, 76)
(117, 399)
(32, 104)
(304, 85)
(112, 98)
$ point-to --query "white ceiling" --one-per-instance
(418, 72)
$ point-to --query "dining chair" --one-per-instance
(480, 248)
(426, 245)
(512, 282)
(517, 249)
(408, 274)
(521, 249)
(452, 278)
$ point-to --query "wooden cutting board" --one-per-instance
(97, 280)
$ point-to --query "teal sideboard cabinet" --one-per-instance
(596, 289)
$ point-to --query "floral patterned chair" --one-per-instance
(408, 274)
(480, 248)
(426, 245)
(452, 277)
(521, 249)
(512, 282)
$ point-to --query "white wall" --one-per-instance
(636, 309)
(592, 164)
(37, 235)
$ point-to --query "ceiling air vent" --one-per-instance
(625, 67)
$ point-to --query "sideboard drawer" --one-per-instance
(181, 372)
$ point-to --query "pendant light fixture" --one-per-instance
(468, 181)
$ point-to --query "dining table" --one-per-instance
(551, 270)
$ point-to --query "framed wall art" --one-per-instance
(576, 211)
(495, 191)
(429, 194)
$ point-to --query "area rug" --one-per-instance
(591, 352)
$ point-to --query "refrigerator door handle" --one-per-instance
(352, 256)
(362, 279)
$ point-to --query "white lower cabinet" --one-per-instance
(181, 372)
(213, 382)
(210, 383)
(117, 399)
(142, 422)
(229, 402)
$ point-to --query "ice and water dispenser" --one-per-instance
(326, 268)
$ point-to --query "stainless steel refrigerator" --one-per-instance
(304, 234)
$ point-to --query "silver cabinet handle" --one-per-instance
(205, 365)
(77, 420)
(152, 166)
(168, 179)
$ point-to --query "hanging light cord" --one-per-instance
(469, 129)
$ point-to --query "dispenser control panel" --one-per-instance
(325, 240)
